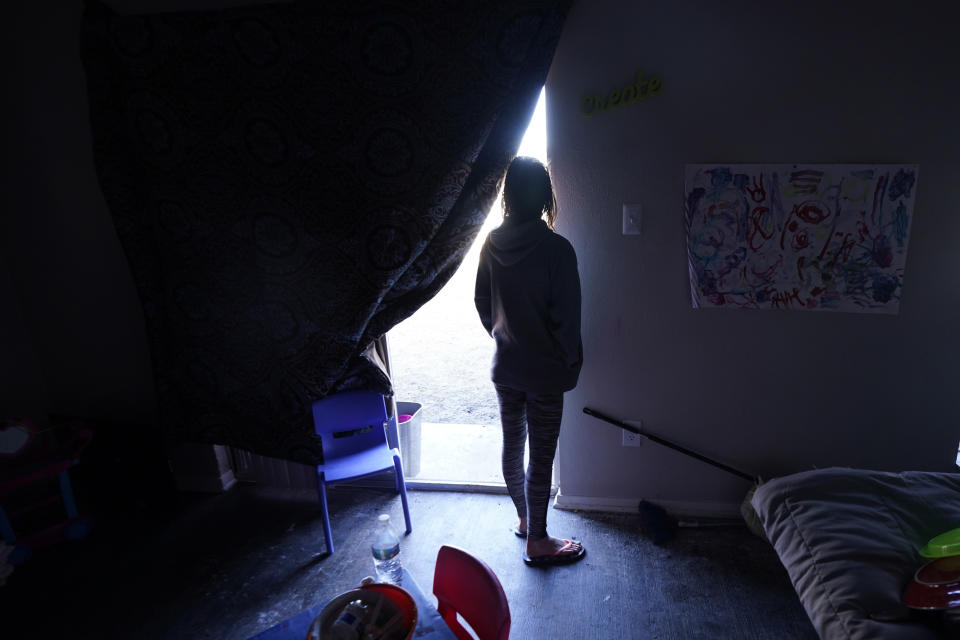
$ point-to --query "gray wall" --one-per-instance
(22, 389)
(77, 323)
(771, 392)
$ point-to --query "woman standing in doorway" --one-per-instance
(528, 298)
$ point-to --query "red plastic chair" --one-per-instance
(466, 585)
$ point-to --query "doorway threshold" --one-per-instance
(465, 487)
(460, 457)
(414, 484)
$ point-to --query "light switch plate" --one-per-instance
(632, 217)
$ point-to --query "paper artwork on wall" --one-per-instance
(790, 236)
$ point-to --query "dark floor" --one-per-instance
(231, 565)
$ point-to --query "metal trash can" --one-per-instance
(409, 418)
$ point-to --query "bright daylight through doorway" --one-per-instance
(440, 359)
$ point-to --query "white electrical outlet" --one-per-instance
(632, 218)
(631, 439)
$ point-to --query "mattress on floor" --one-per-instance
(850, 540)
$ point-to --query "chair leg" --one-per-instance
(325, 512)
(398, 468)
(66, 492)
(6, 529)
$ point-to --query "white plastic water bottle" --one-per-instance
(386, 552)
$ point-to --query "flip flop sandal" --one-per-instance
(557, 558)
(518, 533)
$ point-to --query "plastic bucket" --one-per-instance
(409, 417)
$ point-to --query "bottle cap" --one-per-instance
(384, 517)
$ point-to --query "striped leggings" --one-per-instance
(539, 414)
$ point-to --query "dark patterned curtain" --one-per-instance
(290, 181)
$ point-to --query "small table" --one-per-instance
(430, 626)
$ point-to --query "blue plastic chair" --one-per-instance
(353, 430)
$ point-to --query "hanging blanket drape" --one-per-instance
(290, 181)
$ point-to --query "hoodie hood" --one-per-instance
(509, 243)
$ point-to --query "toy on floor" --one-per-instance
(936, 585)
(35, 476)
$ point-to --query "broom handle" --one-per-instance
(667, 443)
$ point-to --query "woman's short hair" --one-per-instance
(528, 191)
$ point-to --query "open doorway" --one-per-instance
(440, 359)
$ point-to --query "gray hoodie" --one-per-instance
(528, 298)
